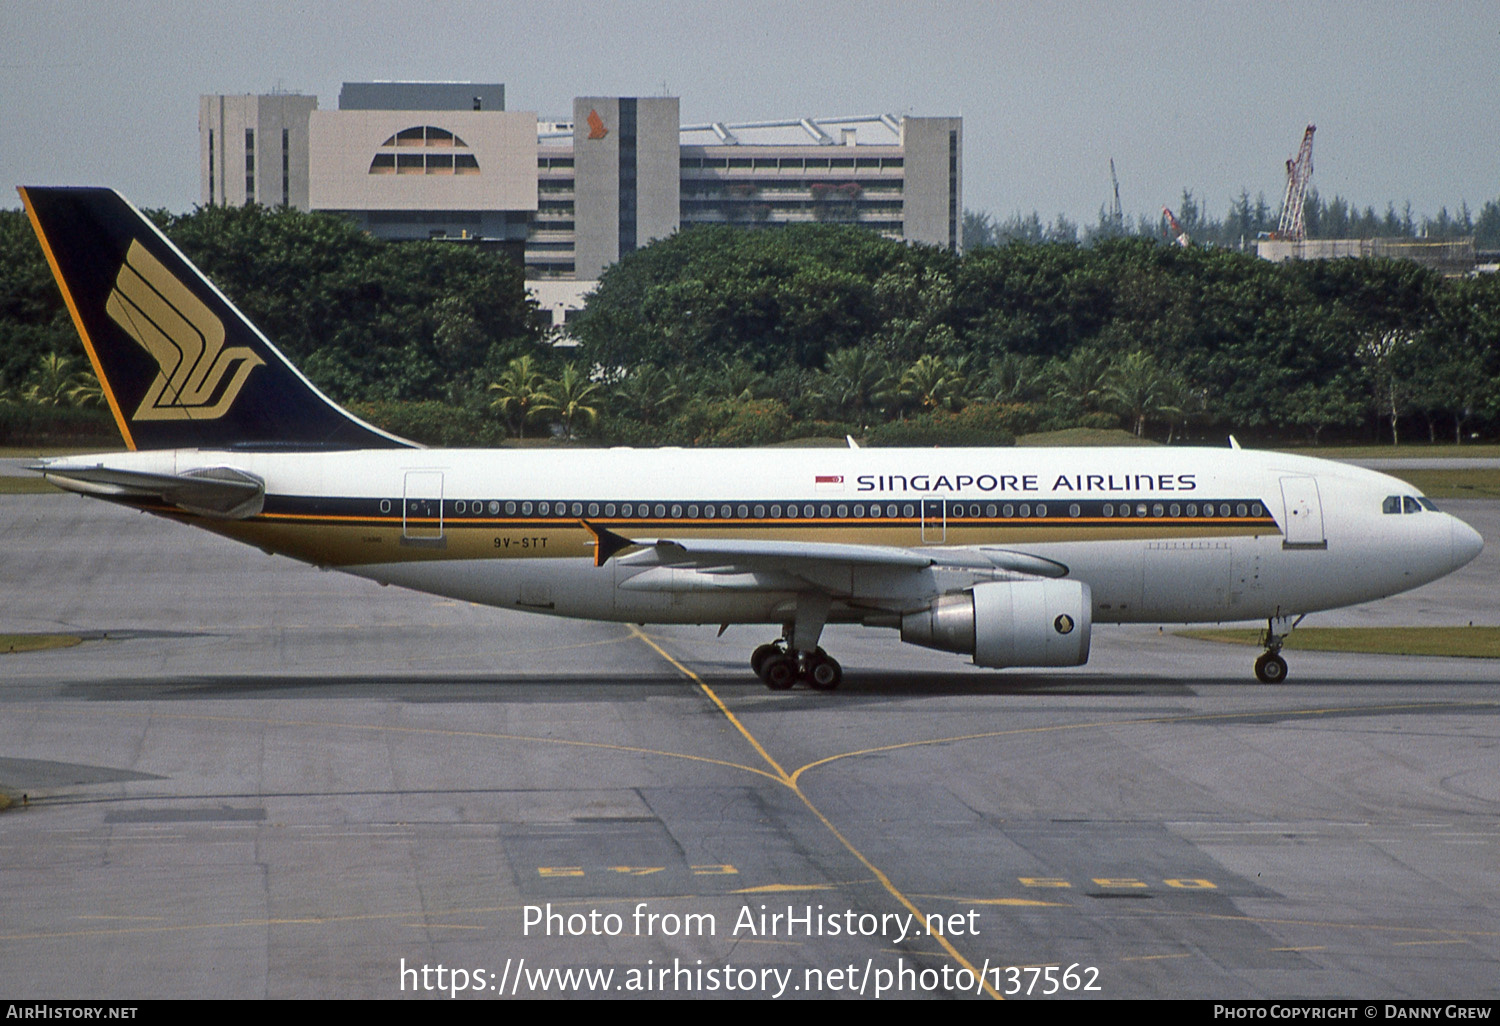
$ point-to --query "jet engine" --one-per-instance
(1008, 623)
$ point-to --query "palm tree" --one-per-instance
(647, 392)
(933, 383)
(1080, 380)
(856, 382)
(569, 395)
(1013, 378)
(56, 382)
(735, 379)
(1136, 384)
(519, 393)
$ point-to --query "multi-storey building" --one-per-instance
(411, 160)
(253, 149)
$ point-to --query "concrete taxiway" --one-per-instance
(253, 779)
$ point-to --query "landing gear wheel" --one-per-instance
(760, 655)
(1270, 668)
(823, 673)
(779, 671)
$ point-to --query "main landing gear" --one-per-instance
(796, 655)
(1270, 668)
(780, 669)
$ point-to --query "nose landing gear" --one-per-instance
(1270, 668)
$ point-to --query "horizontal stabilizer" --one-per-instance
(222, 493)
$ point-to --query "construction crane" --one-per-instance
(1116, 215)
(1178, 231)
(1298, 173)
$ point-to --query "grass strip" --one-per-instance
(36, 642)
(1480, 483)
(1463, 642)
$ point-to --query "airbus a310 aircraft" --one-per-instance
(1008, 555)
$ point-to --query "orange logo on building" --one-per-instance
(596, 126)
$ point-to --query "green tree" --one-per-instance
(1014, 378)
(58, 381)
(1081, 381)
(1384, 355)
(520, 394)
(569, 396)
(933, 383)
(646, 394)
(856, 384)
(1141, 388)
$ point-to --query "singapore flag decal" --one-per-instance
(829, 482)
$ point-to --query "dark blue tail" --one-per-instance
(181, 367)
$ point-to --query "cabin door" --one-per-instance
(422, 508)
(1303, 526)
(934, 521)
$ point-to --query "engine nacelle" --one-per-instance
(1009, 623)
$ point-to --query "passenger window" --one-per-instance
(1410, 505)
(1392, 504)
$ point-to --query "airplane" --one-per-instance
(1006, 555)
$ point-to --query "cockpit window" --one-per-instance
(1392, 504)
(1410, 505)
(1428, 504)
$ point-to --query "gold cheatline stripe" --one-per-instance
(88, 345)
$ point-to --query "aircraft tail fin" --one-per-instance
(180, 365)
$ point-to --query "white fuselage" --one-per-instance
(1157, 534)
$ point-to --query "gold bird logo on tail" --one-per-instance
(185, 339)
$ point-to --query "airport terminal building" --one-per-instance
(569, 197)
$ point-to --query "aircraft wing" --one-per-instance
(693, 564)
(219, 492)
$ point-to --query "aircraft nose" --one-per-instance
(1465, 542)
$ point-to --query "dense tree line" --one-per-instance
(735, 336)
(1244, 222)
(1211, 338)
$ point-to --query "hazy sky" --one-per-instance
(1206, 95)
